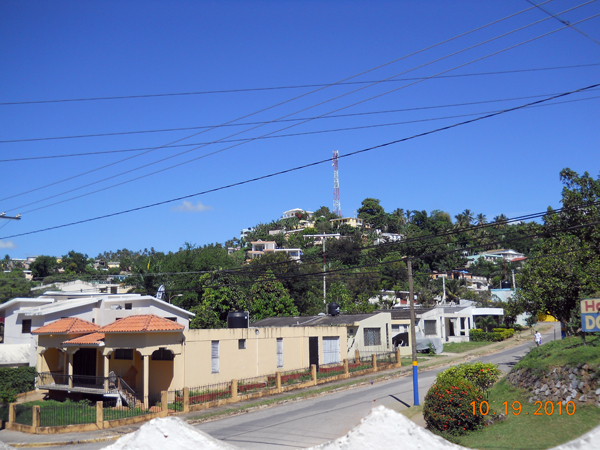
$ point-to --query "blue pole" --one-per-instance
(416, 383)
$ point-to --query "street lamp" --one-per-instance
(176, 295)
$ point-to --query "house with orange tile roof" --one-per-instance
(141, 355)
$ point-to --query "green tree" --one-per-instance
(220, 296)
(565, 267)
(43, 266)
(373, 213)
(13, 284)
(75, 262)
(268, 298)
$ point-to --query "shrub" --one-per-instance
(448, 407)
(481, 375)
(17, 379)
(498, 334)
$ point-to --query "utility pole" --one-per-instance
(444, 294)
(324, 237)
(413, 334)
(513, 279)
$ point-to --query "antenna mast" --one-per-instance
(337, 208)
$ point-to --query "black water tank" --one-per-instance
(238, 319)
(333, 309)
(505, 285)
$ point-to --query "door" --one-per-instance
(84, 364)
(313, 351)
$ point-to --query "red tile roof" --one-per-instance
(141, 323)
(68, 325)
(94, 338)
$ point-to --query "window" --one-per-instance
(279, 352)
(214, 356)
(242, 344)
(26, 326)
(331, 350)
(430, 327)
(128, 305)
(174, 319)
(124, 353)
(162, 354)
(372, 336)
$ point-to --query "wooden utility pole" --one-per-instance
(413, 334)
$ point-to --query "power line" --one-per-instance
(304, 166)
(300, 86)
(284, 102)
(282, 129)
(202, 127)
(259, 270)
(566, 22)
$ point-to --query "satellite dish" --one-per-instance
(161, 292)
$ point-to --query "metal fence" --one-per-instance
(82, 381)
(124, 407)
(385, 358)
(67, 414)
(24, 414)
(297, 376)
(256, 384)
(362, 363)
(175, 400)
(210, 392)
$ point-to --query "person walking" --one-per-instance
(537, 337)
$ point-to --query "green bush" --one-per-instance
(17, 379)
(448, 408)
(498, 334)
(481, 375)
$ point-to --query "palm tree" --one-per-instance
(481, 219)
(487, 323)
(500, 221)
(464, 219)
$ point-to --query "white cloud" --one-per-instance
(190, 207)
(7, 244)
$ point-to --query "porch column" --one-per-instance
(106, 362)
(70, 373)
(146, 379)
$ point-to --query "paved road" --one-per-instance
(319, 420)
(316, 421)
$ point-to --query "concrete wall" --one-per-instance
(356, 335)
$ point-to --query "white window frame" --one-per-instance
(279, 352)
(214, 356)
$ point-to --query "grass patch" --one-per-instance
(460, 347)
(527, 431)
(412, 411)
(569, 351)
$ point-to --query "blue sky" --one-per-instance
(70, 50)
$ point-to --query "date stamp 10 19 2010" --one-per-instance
(549, 408)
